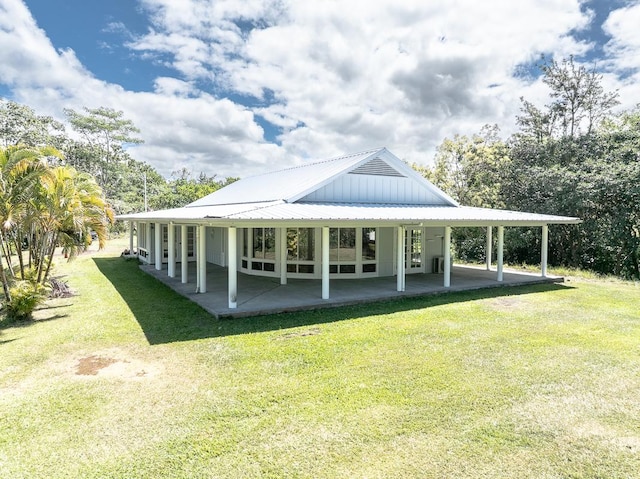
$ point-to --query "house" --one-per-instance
(357, 216)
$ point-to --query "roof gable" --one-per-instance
(373, 176)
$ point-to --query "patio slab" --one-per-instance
(263, 295)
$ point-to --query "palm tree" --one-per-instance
(71, 204)
(21, 169)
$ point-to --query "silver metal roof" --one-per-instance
(285, 184)
(282, 212)
(284, 197)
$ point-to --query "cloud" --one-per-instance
(624, 46)
(331, 76)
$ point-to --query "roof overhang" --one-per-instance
(282, 214)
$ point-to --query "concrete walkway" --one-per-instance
(260, 295)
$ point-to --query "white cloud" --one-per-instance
(335, 76)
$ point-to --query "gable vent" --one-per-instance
(376, 167)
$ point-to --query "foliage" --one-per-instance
(579, 102)
(43, 206)
(106, 133)
(19, 124)
(594, 176)
(572, 157)
(25, 296)
(472, 171)
(183, 189)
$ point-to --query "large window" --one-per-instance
(259, 249)
(300, 250)
(352, 250)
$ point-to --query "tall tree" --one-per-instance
(471, 169)
(578, 102)
(19, 124)
(105, 132)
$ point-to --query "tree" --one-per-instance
(20, 171)
(20, 125)
(575, 158)
(472, 171)
(184, 189)
(70, 205)
(105, 132)
(579, 102)
(42, 205)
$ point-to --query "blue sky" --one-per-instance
(238, 87)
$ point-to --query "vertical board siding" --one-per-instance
(374, 189)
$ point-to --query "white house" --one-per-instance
(357, 216)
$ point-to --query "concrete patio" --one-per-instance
(262, 295)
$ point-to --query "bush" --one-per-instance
(25, 297)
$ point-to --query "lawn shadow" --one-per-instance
(165, 316)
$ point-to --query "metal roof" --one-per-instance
(284, 197)
(285, 184)
(283, 212)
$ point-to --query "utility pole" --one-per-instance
(145, 191)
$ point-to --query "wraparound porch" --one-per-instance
(263, 295)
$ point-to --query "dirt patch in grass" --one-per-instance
(113, 364)
(91, 365)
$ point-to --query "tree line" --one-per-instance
(98, 144)
(574, 157)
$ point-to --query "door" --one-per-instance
(414, 255)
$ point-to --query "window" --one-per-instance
(415, 248)
(264, 243)
(300, 244)
(368, 253)
(301, 247)
(342, 244)
(245, 242)
(352, 251)
(259, 249)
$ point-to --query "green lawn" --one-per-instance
(128, 380)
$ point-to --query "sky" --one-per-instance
(242, 87)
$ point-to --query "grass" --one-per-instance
(529, 382)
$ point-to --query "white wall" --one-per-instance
(374, 189)
(433, 239)
(385, 251)
(217, 246)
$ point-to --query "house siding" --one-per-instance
(359, 188)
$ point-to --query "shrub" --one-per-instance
(25, 297)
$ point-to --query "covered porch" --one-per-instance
(266, 295)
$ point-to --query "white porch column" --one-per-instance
(325, 262)
(147, 241)
(184, 255)
(202, 258)
(158, 246)
(400, 269)
(447, 256)
(489, 241)
(232, 248)
(171, 247)
(545, 251)
(131, 223)
(283, 255)
(500, 251)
